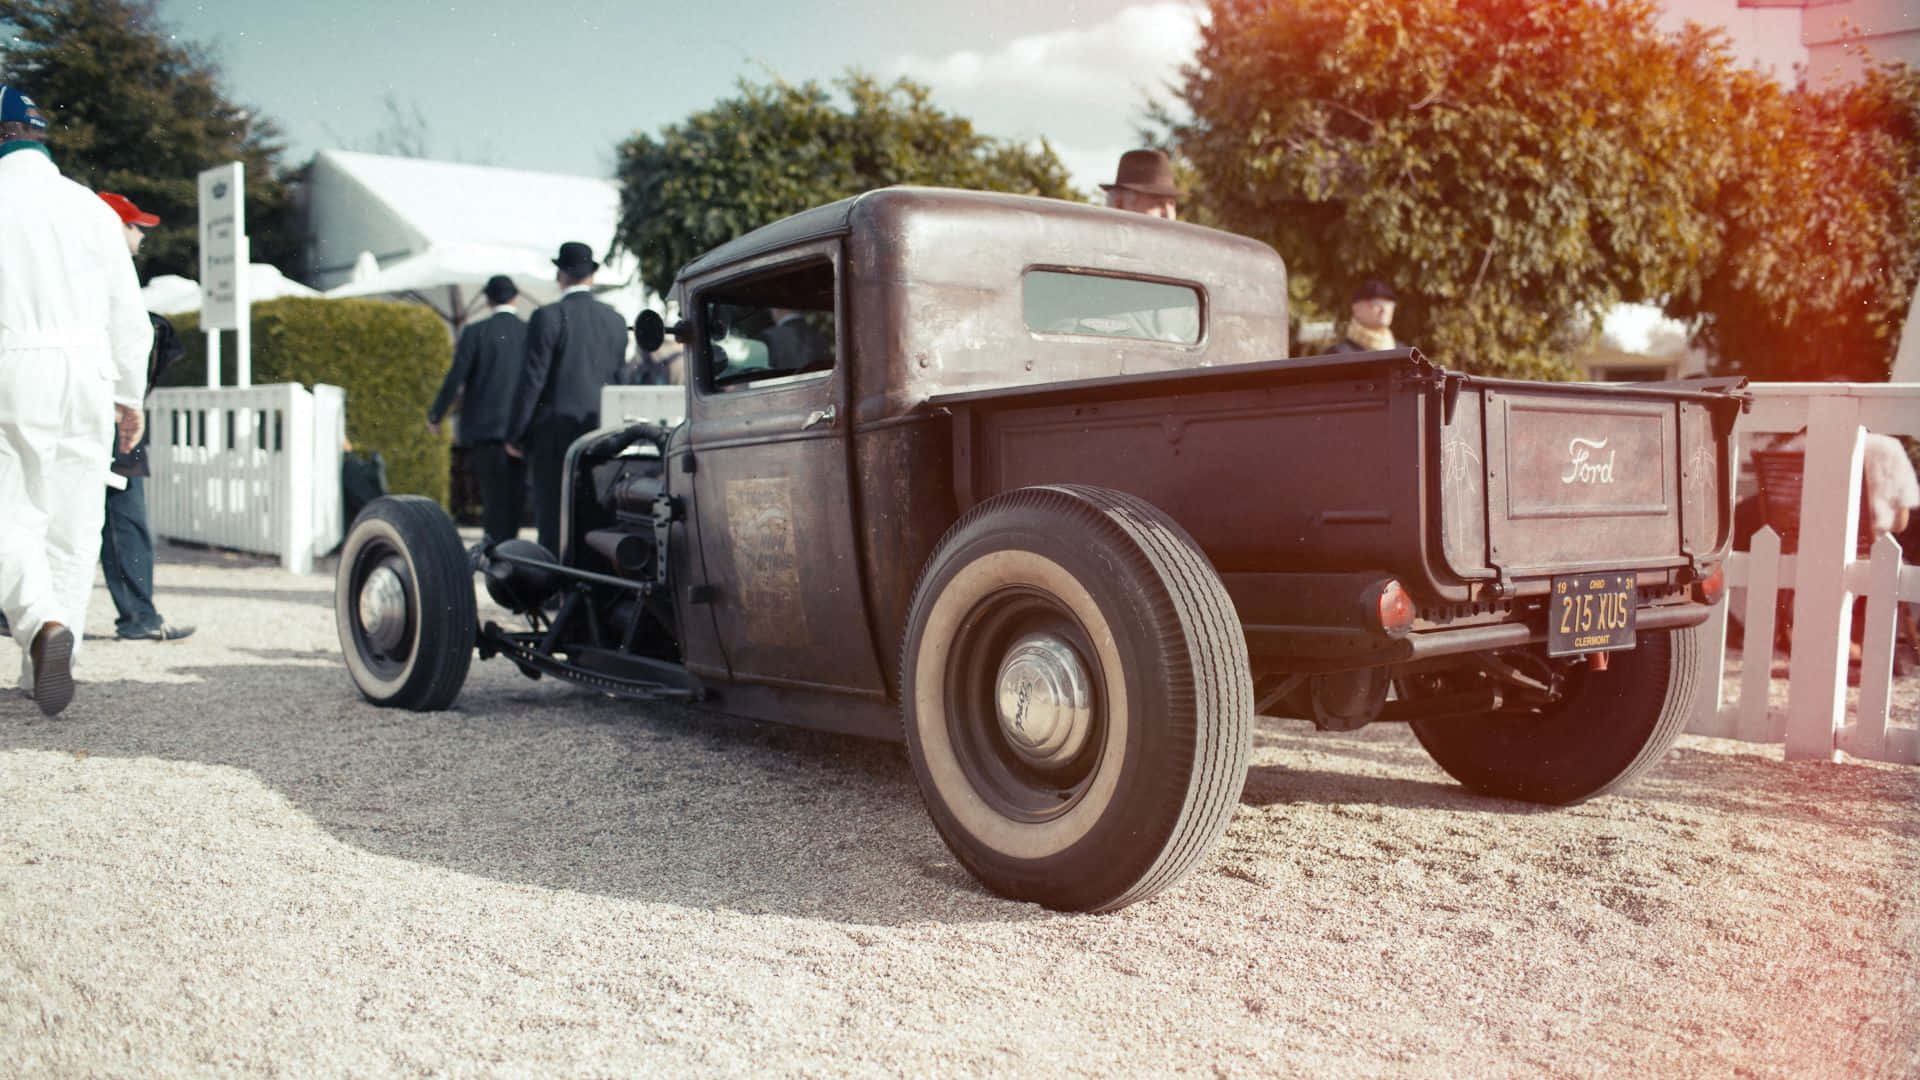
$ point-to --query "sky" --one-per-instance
(556, 87)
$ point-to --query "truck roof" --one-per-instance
(949, 291)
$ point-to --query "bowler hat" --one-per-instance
(1373, 289)
(576, 259)
(1146, 171)
(500, 289)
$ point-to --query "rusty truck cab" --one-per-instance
(822, 485)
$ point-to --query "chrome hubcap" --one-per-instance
(1043, 700)
(383, 609)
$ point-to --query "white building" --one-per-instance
(1829, 40)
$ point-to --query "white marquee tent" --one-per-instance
(437, 230)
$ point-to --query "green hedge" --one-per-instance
(389, 356)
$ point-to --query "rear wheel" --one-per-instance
(1076, 697)
(1607, 727)
(403, 601)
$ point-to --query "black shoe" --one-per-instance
(52, 652)
(163, 632)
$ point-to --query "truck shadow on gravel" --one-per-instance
(546, 785)
(1342, 768)
(1345, 768)
(1281, 785)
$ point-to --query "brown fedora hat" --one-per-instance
(1146, 171)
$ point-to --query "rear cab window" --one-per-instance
(1072, 302)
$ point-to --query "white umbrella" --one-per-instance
(448, 277)
(171, 294)
(266, 282)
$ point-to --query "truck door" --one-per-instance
(768, 426)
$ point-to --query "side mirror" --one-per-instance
(651, 331)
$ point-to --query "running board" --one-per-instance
(671, 682)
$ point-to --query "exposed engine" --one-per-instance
(618, 480)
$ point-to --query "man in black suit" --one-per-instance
(575, 346)
(794, 345)
(486, 375)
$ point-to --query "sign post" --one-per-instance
(223, 269)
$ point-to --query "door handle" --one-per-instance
(818, 417)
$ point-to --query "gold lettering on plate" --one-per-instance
(1583, 466)
(1608, 611)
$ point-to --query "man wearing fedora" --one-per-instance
(1371, 328)
(1144, 184)
(485, 377)
(575, 346)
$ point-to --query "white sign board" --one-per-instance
(223, 248)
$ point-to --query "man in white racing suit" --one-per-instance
(74, 337)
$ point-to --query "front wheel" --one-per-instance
(1076, 697)
(1607, 728)
(403, 601)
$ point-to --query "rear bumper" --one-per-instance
(1325, 648)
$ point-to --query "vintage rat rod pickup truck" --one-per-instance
(1034, 486)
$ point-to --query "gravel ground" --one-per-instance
(221, 861)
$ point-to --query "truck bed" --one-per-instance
(1474, 493)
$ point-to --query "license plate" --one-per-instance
(1590, 613)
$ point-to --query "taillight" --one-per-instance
(1394, 609)
(1708, 589)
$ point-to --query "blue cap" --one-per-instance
(18, 108)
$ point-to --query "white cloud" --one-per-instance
(1084, 89)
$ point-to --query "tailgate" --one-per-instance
(1539, 479)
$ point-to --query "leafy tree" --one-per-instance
(1514, 168)
(778, 149)
(131, 110)
(1819, 228)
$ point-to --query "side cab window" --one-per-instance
(776, 325)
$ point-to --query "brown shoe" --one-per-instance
(52, 668)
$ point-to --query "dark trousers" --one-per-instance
(547, 442)
(126, 558)
(503, 481)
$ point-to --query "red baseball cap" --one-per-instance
(129, 213)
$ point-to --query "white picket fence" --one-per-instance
(249, 468)
(1825, 576)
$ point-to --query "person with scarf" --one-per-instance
(1371, 328)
